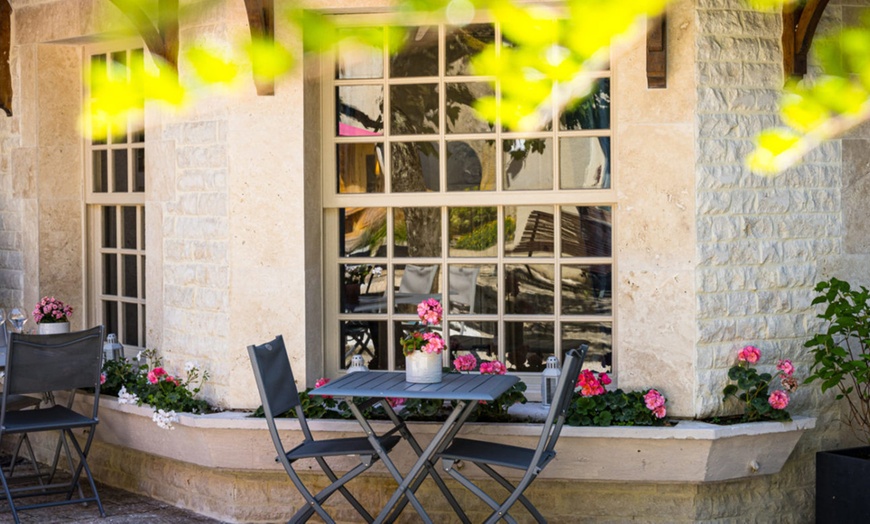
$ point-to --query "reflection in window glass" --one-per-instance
(414, 167)
(131, 324)
(110, 274)
(417, 232)
(129, 221)
(586, 290)
(461, 117)
(528, 164)
(473, 289)
(528, 344)
(101, 171)
(593, 112)
(528, 231)
(471, 165)
(478, 338)
(465, 42)
(418, 55)
(357, 59)
(587, 231)
(359, 110)
(529, 289)
(414, 109)
(139, 170)
(599, 336)
(367, 338)
(364, 288)
(360, 168)
(131, 277)
(363, 232)
(416, 282)
(473, 231)
(584, 163)
(120, 169)
(110, 227)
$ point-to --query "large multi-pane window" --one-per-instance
(511, 231)
(115, 188)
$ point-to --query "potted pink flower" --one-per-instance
(52, 316)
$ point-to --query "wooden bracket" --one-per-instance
(261, 18)
(161, 38)
(798, 28)
(657, 53)
(5, 66)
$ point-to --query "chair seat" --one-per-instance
(340, 446)
(55, 417)
(493, 453)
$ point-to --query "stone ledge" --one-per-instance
(690, 451)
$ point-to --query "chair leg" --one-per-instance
(83, 464)
(343, 490)
(512, 489)
(315, 502)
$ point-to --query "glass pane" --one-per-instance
(363, 232)
(528, 164)
(416, 283)
(460, 115)
(471, 165)
(131, 324)
(120, 170)
(587, 231)
(142, 288)
(593, 112)
(473, 231)
(364, 288)
(119, 71)
(414, 109)
(367, 338)
(142, 229)
(357, 57)
(110, 227)
(130, 276)
(417, 232)
(418, 55)
(414, 167)
(129, 221)
(137, 70)
(360, 110)
(477, 338)
(110, 274)
(101, 171)
(599, 336)
(528, 344)
(586, 290)
(465, 42)
(110, 316)
(98, 74)
(528, 231)
(139, 170)
(360, 168)
(584, 163)
(529, 289)
(472, 289)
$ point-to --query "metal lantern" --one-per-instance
(549, 380)
(357, 364)
(112, 349)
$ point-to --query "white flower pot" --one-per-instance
(52, 328)
(423, 368)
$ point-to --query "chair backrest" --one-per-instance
(462, 282)
(65, 361)
(417, 279)
(276, 384)
(562, 398)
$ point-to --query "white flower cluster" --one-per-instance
(190, 366)
(164, 419)
(127, 398)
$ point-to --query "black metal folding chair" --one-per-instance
(279, 395)
(39, 363)
(533, 461)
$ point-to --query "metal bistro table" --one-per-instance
(365, 389)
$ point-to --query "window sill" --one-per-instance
(690, 451)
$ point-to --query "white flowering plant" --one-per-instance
(145, 381)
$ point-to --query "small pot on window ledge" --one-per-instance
(52, 328)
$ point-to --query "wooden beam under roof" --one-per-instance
(798, 28)
(5, 66)
(160, 36)
(657, 53)
(261, 18)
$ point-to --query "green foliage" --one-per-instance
(841, 351)
(612, 408)
(752, 389)
(497, 411)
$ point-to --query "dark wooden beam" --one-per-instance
(657, 53)
(798, 28)
(161, 38)
(261, 18)
(5, 66)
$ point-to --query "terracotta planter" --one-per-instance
(52, 328)
(842, 482)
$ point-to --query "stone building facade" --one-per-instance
(708, 256)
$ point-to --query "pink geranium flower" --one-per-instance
(433, 343)
(465, 362)
(322, 381)
(589, 385)
(749, 354)
(492, 368)
(604, 379)
(778, 400)
(654, 400)
(102, 378)
(395, 402)
(430, 311)
(155, 374)
(786, 367)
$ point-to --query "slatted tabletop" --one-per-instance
(382, 384)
